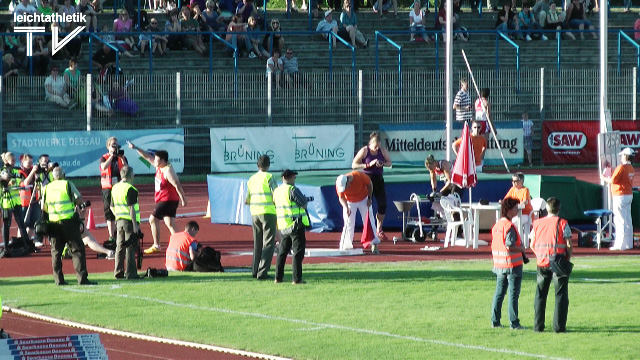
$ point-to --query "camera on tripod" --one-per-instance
(5, 177)
(46, 167)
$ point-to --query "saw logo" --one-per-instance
(567, 140)
(55, 43)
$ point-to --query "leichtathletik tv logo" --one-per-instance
(52, 19)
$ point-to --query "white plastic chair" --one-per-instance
(451, 206)
(538, 204)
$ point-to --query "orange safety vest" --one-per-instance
(503, 258)
(106, 178)
(25, 195)
(544, 233)
(177, 257)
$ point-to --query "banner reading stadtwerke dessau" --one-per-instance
(79, 152)
(289, 147)
(411, 143)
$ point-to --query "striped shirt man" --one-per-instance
(462, 102)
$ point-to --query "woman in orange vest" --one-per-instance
(621, 182)
(506, 248)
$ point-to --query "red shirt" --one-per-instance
(165, 191)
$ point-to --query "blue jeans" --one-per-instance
(533, 26)
(419, 30)
(627, 4)
(512, 283)
(247, 42)
(575, 23)
(508, 26)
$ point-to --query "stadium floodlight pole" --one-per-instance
(493, 131)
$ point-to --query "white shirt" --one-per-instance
(277, 68)
(527, 126)
(21, 9)
(416, 18)
(57, 85)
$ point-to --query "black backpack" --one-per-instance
(207, 260)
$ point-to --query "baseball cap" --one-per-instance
(341, 183)
(627, 151)
(288, 173)
(327, 13)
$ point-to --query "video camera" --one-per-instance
(5, 177)
(309, 198)
(84, 205)
(117, 150)
(46, 167)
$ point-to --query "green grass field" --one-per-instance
(411, 310)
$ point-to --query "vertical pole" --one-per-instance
(542, 91)
(559, 36)
(353, 69)
(139, 25)
(151, 63)
(235, 73)
(400, 72)
(117, 65)
(269, 119)
(497, 52)
(376, 37)
(360, 120)
(518, 70)
(88, 85)
(330, 55)
(178, 101)
(480, 9)
(619, 51)
(210, 56)
(264, 8)
(90, 53)
(448, 71)
(310, 18)
(634, 116)
(437, 55)
(604, 67)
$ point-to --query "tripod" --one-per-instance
(9, 207)
(35, 194)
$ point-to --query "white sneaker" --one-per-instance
(528, 38)
(545, 38)
(38, 244)
(252, 55)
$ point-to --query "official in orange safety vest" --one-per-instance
(506, 248)
(621, 182)
(29, 202)
(182, 248)
(110, 165)
(545, 232)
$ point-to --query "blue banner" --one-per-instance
(79, 152)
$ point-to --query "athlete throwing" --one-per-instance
(168, 193)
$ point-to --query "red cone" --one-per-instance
(91, 222)
(367, 232)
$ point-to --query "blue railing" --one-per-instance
(394, 44)
(93, 36)
(622, 35)
(500, 34)
(353, 57)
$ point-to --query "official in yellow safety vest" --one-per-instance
(11, 206)
(291, 207)
(125, 208)
(59, 200)
(259, 197)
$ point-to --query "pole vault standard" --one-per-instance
(493, 131)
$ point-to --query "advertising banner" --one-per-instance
(289, 147)
(576, 142)
(411, 143)
(79, 152)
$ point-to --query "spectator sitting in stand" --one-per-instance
(201, 3)
(528, 22)
(294, 8)
(278, 40)
(189, 24)
(275, 66)
(540, 10)
(91, 15)
(349, 21)
(159, 42)
(9, 67)
(441, 22)
(124, 25)
(212, 19)
(386, 5)
(54, 90)
(40, 56)
(45, 9)
(100, 102)
(416, 22)
(121, 101)
(196, 11)
(25, 8)
(328, 24)
(111, 40)
(157, 5)
(292, 77)
(555, 21)
(256, 50)
(14, 44)
(73, 83)
(235, 32)
(170, 7)
(576, 19)
(104, 57)
(246, 9)
(507, 20)
(172, 26)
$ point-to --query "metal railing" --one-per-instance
(622, 35)
(93, 36)
(394, 44)
(500, 34)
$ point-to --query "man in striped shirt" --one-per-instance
(462, 102)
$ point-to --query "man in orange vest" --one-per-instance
(110, 165)
(506, 248)
(546, 232)
(182, 248)
(621, 182)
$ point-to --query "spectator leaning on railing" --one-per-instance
(328, 24)
(54, 90)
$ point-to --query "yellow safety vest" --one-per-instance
(14, 194)
(261, 198)
(287, 210)
(59, 204)
(119, 196)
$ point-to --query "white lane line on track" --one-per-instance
(138, 336)
(316, 324)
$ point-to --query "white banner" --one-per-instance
(410, 144)
(79, 152)
(289, 147)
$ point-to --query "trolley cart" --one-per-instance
(413, 227)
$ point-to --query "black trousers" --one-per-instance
(67, 232)
(125, 262)
(297, 241)
(561, 285)
(16, 211)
